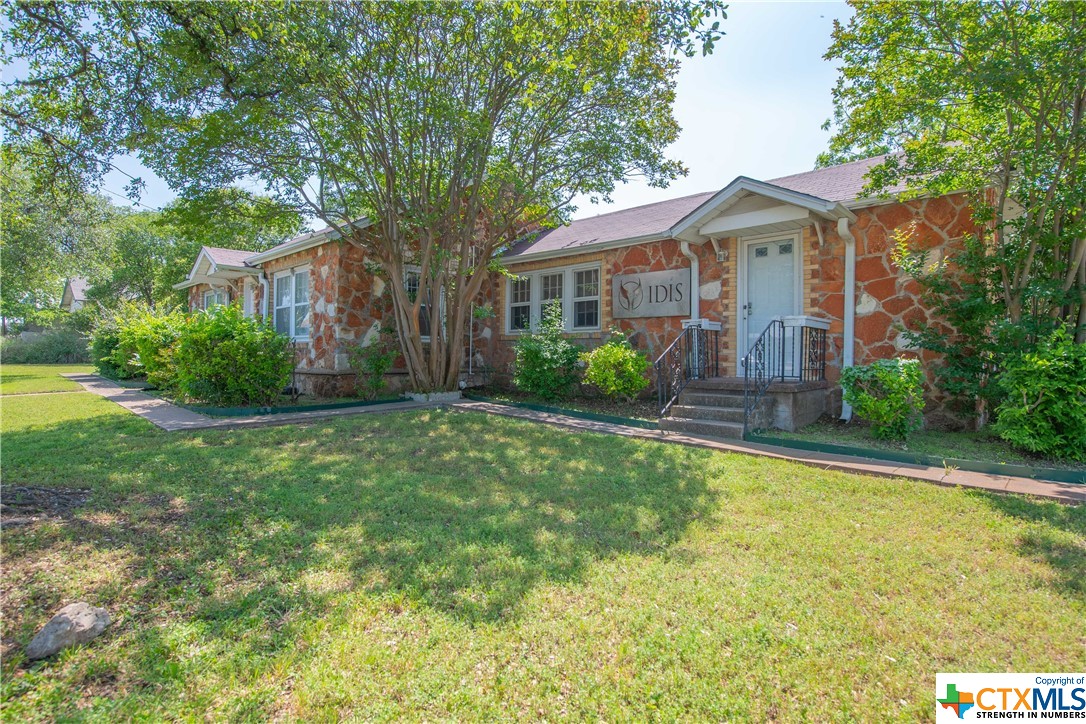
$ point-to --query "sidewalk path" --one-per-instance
(1062, 492)
(170, 417)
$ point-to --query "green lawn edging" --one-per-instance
(1077, 477)
(596, 417)
(247, 411)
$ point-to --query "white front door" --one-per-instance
(769, 289)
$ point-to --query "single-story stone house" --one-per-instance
(808, 249)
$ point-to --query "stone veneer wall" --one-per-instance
(649, 334)
(887, 300)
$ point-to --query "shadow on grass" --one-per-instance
(462, 513)
(1057, 537)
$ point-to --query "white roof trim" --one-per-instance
(687, 227)
(213, 270)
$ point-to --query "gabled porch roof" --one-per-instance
(217, 266)
(744, 206)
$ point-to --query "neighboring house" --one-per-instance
(806, 248)
(75, 294)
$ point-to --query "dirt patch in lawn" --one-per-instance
(26, 504)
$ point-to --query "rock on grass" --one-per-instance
(76, 623)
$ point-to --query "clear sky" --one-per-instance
(753, 108)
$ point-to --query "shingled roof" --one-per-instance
(843, 183)
(227, 257)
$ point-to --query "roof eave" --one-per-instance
(307, 242)
(586, 248)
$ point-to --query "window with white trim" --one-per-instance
(576, 288)
(291, 297)
(586, 298)
(520, 304)
(214, 297)
(412, 280)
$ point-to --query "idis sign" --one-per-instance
(651, 294)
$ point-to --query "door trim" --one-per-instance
(796, 237)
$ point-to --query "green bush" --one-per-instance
(146, 343)
(616, 368)
(887, 393)
(546, 363)
(222, 357)
(105, 342)
(1045, 408)
(371, 363)
(53, 346)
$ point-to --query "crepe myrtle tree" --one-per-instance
(431, 135)
(987, 98)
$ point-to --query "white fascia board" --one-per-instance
(687, 227)
(195, 265)
(585, 249)
(727, 224)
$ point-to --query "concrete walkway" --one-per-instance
(171, 418)
(1062, 492)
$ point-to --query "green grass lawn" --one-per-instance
(438, 564)
(982, 445)
(21, 379)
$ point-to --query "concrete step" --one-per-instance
(733, 384)
(713, 428)
(708, 412)
(711, 398)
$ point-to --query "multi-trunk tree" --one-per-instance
(431, 135)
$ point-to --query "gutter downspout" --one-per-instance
(849, 342)
(695, 281)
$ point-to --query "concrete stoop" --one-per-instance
(714, 407)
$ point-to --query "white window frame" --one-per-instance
(568, 290)
(414, 269)
(217, 296)
(275, 306)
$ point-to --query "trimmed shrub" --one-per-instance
(222, 357)
(53, 346)
(546, 363)
(616, 368)
(371, 363)
(887, 393)
(147, 338)
(1045, 408)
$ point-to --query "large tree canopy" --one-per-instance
(985, 97)
(450, 128)
(42, 243)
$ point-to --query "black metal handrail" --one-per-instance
(781, 353)
(695, 354)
